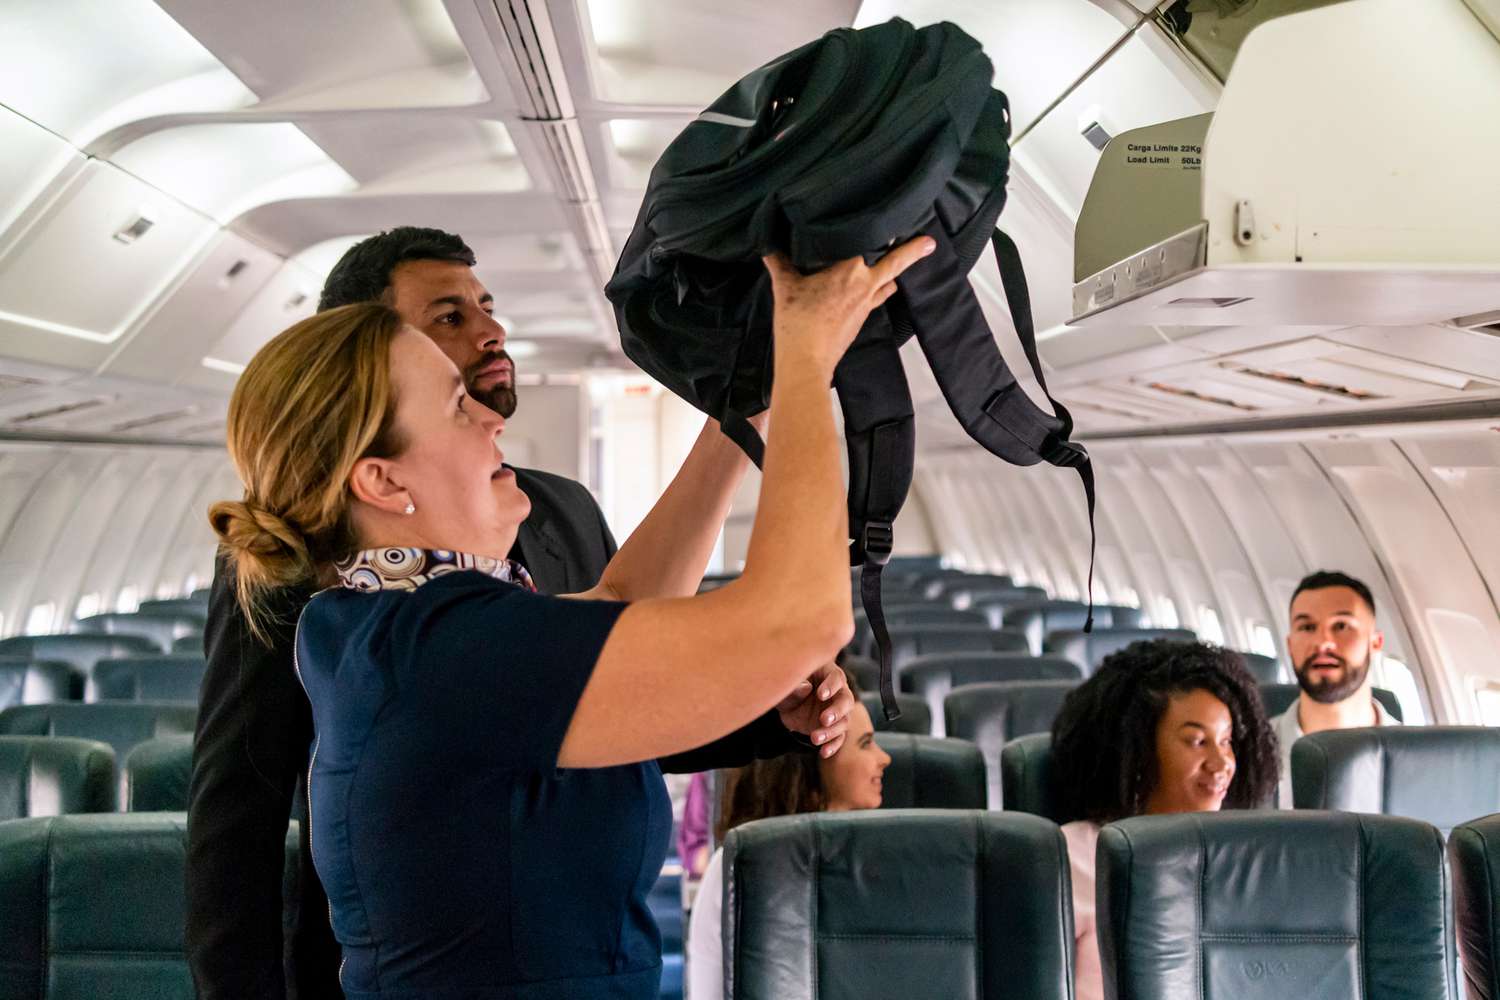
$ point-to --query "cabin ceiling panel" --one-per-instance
(340, 53)
(91, 266)
(83, 67)
(289, 296)
(1463, 472)
(1039, 47)
(287, 227)
(449, 152)
(33, 157)
(1134, 87)
(169, 346)
(688, 52)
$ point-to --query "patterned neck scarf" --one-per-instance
(407, 569)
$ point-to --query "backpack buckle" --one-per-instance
(1063, 454)
(875, 542)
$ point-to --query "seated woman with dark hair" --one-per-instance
(1161, 727)
(784, 786)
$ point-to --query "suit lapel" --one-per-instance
(542, 553)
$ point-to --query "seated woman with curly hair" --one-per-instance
(1161, 727)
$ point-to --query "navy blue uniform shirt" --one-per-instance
(460, 862)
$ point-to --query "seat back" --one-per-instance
(1474, 859)
(146, 678)
(1026, 778)
(162, 629)
(934, 675)
(185, 606)
(990, 599)
(120, 724)
(53, 776)
(907, 616)
(79, 651)
(92, 906)
(909, 642)
(1088, 649)
(1264, 905)
(1277, 698)
(991, 715)
(26, 682)
(189, 645)
(931, 773)
(1265, 669)
(946, 583)
(847, 906)
(1443, 775)
(157, 773)
(915, 717)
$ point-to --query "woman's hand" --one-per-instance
(819, 708)
(817, 316)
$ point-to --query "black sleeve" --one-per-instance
(249, 750)
(763, 739)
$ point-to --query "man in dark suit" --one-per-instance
(254, 724)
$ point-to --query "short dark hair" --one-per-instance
(781, 786)
(1104, 760)
(1324, 578)
(364, 272)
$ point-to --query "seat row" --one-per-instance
(63, 775)
(139, 677)
(955, 904)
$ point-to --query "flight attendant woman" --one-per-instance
(486, 813)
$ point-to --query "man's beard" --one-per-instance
(1333, 689)
(500, 397)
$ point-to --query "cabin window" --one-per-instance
(1209, 628)
(1397, 677)
(165, 592)
(1129, 598)
(128, 601)
(2, 624)
(42, 619)
(1166, 614)
(88, 605)
(190, 584)
(1262, 639)
(1487, 698)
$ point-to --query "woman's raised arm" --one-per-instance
(678, 673)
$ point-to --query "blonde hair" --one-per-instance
(311, 403)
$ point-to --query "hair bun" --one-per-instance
(268, 550)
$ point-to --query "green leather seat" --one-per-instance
(915, 718)
(93, 907)
(991, 715)
(157, 774)
(1443, 775)
(120, 724)
(146, 678)
(931, 773)
(1277, 698)
(161, 628)
(1474, 856)
(1264, 905)
(1026, 778)
(1265, 669)
(917, 904)
(1088, 649)
(932, 676)
(55, 776)
(27, 682)
(188, 607)
(911, 641)
(79, 651)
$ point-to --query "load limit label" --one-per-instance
(1184, 156)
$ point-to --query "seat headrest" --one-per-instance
(81, 651)
(146, 678)
(1265, 905)
(960, 669)
(1277, 698)
(1088, 649)
(1443, 775)
(991, 715)
(1474, 858)
(931, 773)
(909, 642)
(846, 906)
(55, 776)
(1265, 669)
(157, 773)
(120, 724)
(1026, 778)
(26, 682)
(915, 718)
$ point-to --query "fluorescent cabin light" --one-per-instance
(223, 366)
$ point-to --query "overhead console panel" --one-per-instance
(1346, 178)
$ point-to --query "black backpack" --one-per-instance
(844, 147)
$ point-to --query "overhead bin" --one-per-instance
(1346, 178)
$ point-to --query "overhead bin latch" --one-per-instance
(1244, 223)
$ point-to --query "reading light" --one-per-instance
(136, 228)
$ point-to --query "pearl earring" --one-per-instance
(411, 508)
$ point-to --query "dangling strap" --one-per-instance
(1059, 451)
(739, 430)
(889, 445)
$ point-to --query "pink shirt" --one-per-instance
(1083, 838)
